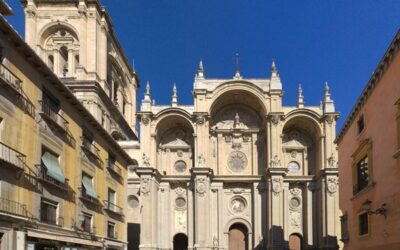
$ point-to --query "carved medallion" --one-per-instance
(201, 186)
(145, 186)
(332, 185)
(238, 204)
(237, 161)
(276, 185)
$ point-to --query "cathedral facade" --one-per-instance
(236, 170)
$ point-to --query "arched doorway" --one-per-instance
(180, 242)
(238, 239)
(295, 242)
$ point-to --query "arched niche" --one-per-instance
(237, 133)
(174, 144)
(301, 145)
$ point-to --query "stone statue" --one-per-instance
(146, 160)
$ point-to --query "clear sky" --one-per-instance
(312, 42)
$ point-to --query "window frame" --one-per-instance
(363, 151)
(361, 213)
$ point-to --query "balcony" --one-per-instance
(114, 168)
(12, 157)
(50, 113)
(89, 229)
(43, 177)
(109, 206)
(11, 80)
(89, 147)
(12, 207)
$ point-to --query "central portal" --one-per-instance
(238, 239)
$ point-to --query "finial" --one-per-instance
(300, 98)
(273, 67)
(174, 96)
(200, 70)
(328, 104)
(146, 102)
(133, 64)
(148, 88)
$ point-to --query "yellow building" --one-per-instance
(62, 173)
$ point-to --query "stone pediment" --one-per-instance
(176, 144)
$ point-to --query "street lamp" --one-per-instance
(366, 205)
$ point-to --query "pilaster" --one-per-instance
(202, 177)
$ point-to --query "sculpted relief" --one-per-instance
(237, 117)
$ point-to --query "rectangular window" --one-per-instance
(48, 212)
(362, 174)
(111, 196)
(50, 104)
(363, 224)
(360, 124)
(87, 223)
(111, 230)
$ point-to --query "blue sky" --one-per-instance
(312, 42)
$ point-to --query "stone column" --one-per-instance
(71, 62)
(274, 135)
(149, 185)
(202, 198)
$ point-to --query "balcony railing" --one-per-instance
(88, 146)
(49, 112)
(114, 168)
(12, 157)
(112, 234)
(10, 79)
(113, 208)
(13, 207)
(44, 177)
(50, 219)
(88, 198)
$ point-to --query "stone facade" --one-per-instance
(237, 170)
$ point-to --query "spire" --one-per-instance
(300, 98)
(328, 104)
(146, 102)
(276, 83)
(174, 96)
(200, 70)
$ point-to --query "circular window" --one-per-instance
(180, 166)
(295, 202)
(133, 201)
(293, 167)
(180, 202)
(237, 161)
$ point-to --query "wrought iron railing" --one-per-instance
(87, 197)
(111, 165)
(51, 112)
(12, 156)
(44, 177)
(90, 147)
(113, 208)
(13, 207)
(51, 219)
(12, 80)
(112, 234)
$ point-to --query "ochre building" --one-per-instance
(369, 160)
(67, 117)
(236, 170)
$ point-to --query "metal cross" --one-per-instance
(237, 58)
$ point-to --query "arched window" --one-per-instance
(50, 62)
(64, 60)
(61, 45)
